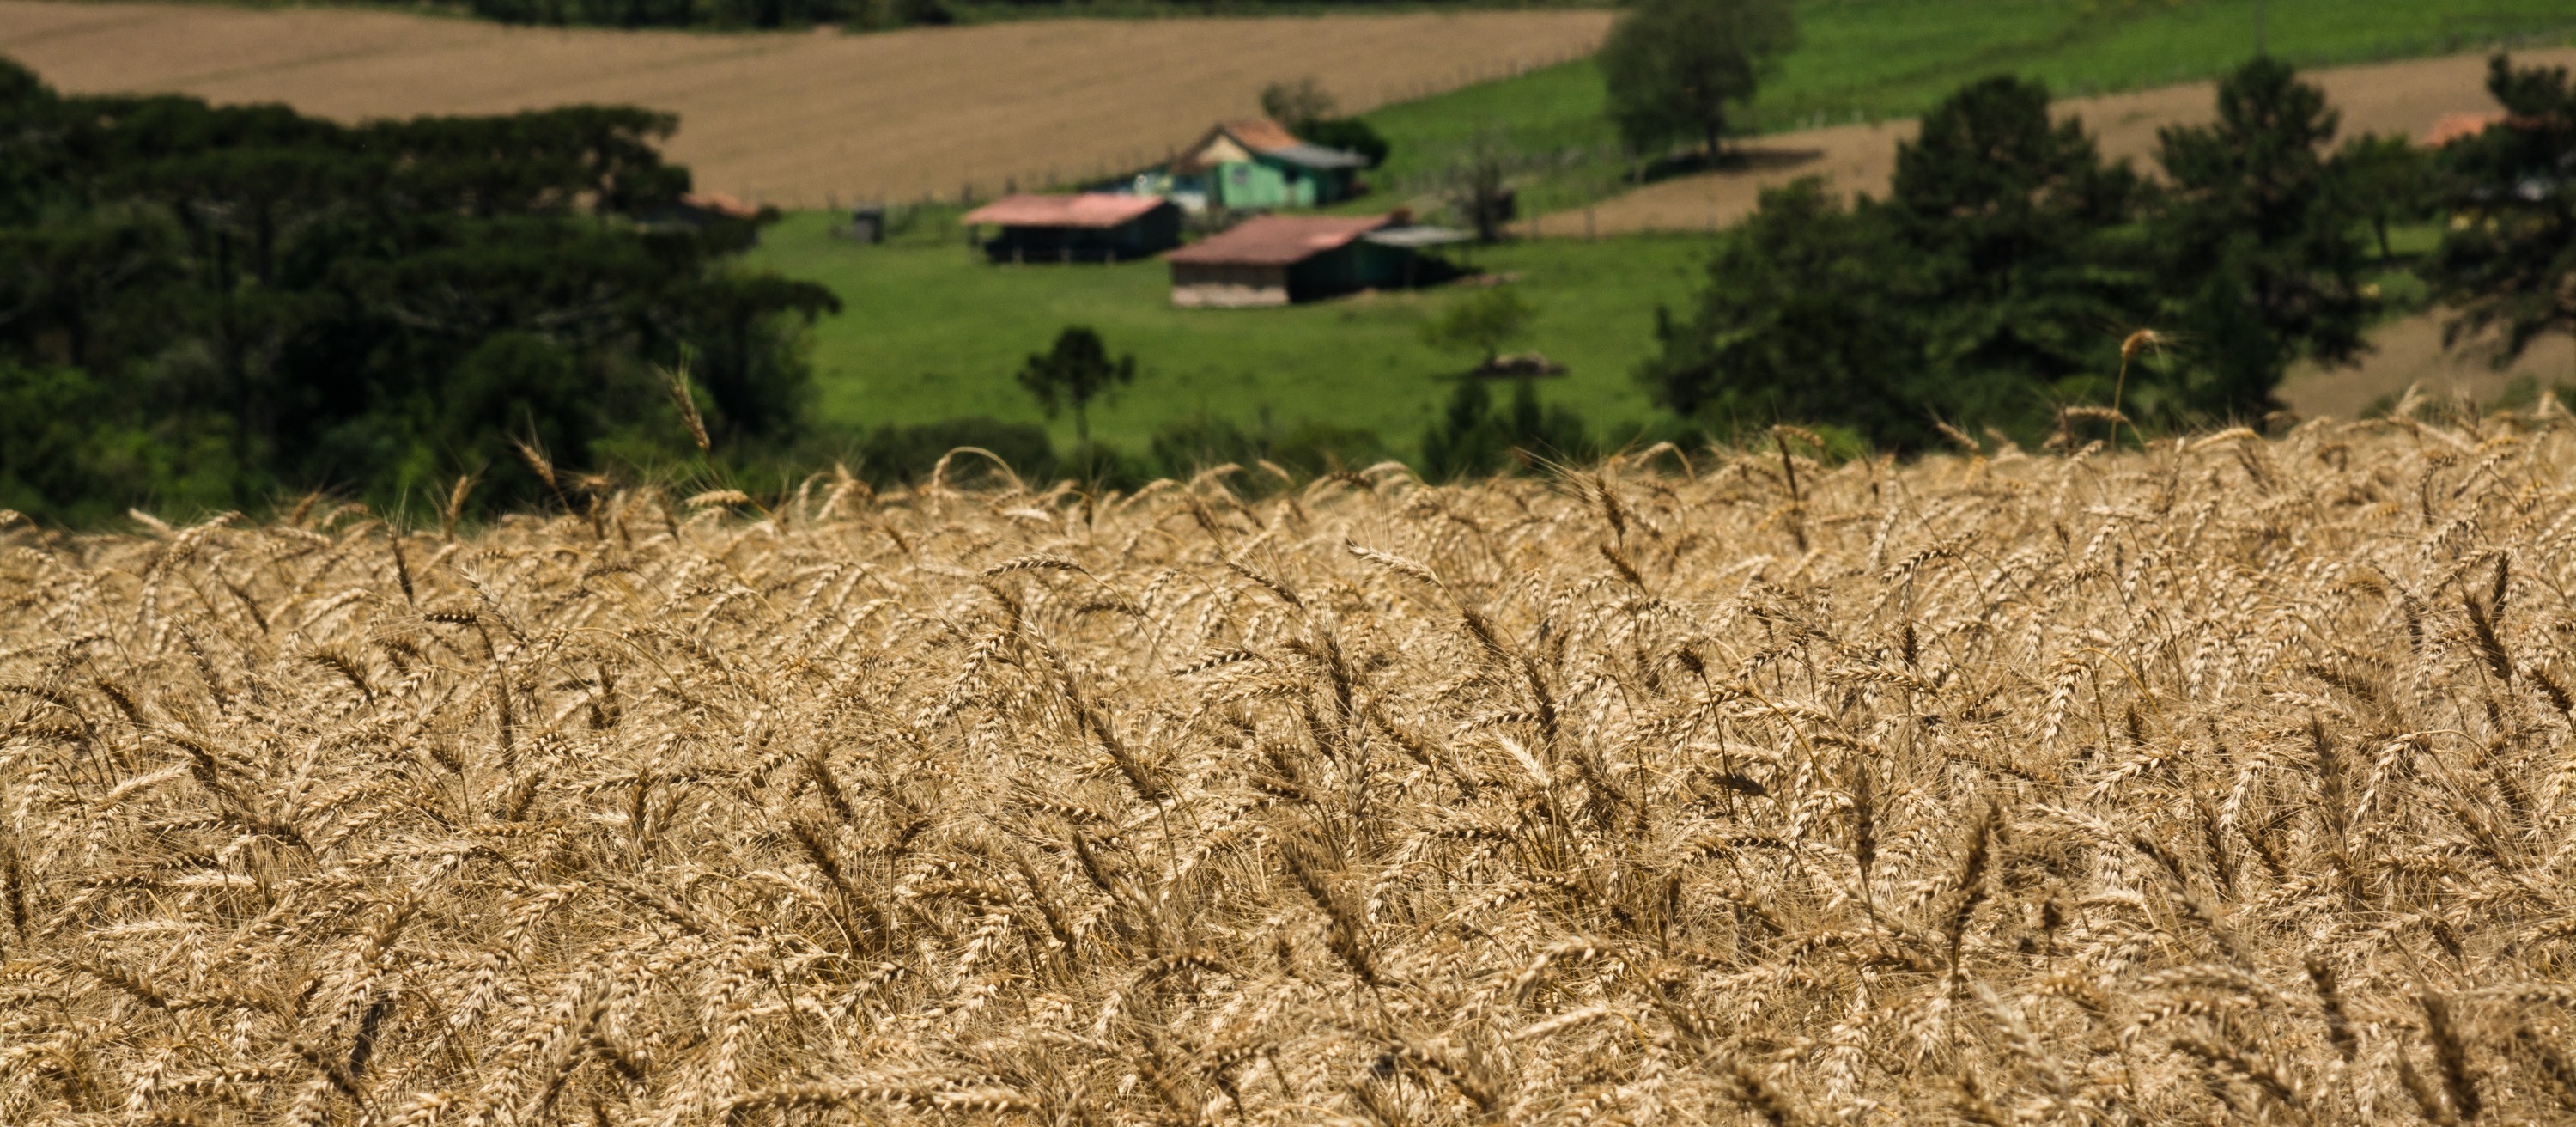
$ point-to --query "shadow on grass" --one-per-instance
(1735, 159)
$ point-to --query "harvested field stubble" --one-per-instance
(796, 119)
(2225, 781)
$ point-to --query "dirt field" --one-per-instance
(2409, 352)
(795, 118)
(2403, 97)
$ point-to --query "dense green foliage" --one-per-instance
(2261, 261)
(2001, 275)
(1481, 325)
(1315, 116)
(203, 306)
(2508, 263)
(1675, 69)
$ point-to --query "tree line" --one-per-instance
(203, 306)
(2011, 272)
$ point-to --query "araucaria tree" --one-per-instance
(202, 306)
(1979, 290)
(1674, 67)
(2015, 219)
(2263, 252)
(2508, 266)
(1073, 373)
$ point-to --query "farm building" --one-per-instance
(1277, 259)
(1090, 227)
(1259, 164)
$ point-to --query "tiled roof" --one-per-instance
(2454, 126)
(1089, 209)
(1277, 240)
(721, 204)
(1262, 134)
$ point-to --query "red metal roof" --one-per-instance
(2454, 126)
(1277, 240)
(1261, 134)
(721, 204)
(1089, 209)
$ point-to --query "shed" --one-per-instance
(1278, 259)
(1089, 227)
(1258, 163)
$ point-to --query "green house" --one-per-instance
(1259, 164)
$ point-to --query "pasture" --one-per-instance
(2226, 782)
(931, 332)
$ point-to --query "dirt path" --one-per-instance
(794, 118)
(2401, 97)
(2409, 351)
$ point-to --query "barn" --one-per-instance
(1278, 259)
(1089, 227)
(1257, 163)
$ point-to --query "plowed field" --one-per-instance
(796, 118)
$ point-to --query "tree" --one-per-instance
(1297, 105)
(1471, 438)
(1808, 315)
(1073, 373)
(744, 331)
(2390, 180)
(1482, 324)
(245, 299)
(1480, 186)
(2017, 219)
(2262, 261)
(1311, 114)
(1673, 67)
(2508, 263)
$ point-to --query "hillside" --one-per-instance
(2404, 98)
(930, 331)
(2222, 783)
(799, 118)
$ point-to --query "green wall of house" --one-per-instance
(1264, 183)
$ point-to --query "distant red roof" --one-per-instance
(1089, 209)
(1261, 134)
(721, 204)
(2455, 126)
(1277, 240)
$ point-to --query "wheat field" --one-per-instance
(2222, 781)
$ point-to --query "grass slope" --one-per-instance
(1890, 58)
(931, 333)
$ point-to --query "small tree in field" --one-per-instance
(1674, 66)
(1298, 104)
(1073, 373)
(1483, 324)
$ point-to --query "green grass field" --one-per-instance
(1861, 59)
(931, 333)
